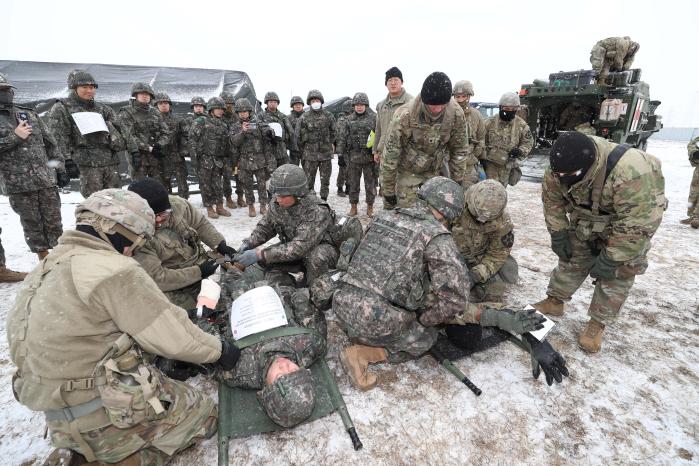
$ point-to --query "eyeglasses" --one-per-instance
(394, 80)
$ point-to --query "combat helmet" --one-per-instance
(290, 399)
(445, 195)
(271, 95)
(243, 105)
(463, 87)
(137, 88)
(227, 97)
(289, 180)
(314, 94)
(295, 100)
(4, 82)
(360, 98)
(509, 99)
(161, 97)
(111, 211)
(486, 200)
(347, 106)
(197, 101)
(215, 102)
(80, 78)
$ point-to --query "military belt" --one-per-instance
(70, 413)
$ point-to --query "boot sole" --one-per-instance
(345, 367)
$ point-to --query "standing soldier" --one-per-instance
(463, 91)
(96, 154)
(294, 118)
(27, 152)
(273, 115)
(145, 132)
(612, 54)
(230, 117)
(343, 185)
(170, 153)
(602, 204)
(208, 142)
(198, 105)
(426, 136)
(693, 201)
(352, 147)
(252, 145)
(508, 141)
(316, 136)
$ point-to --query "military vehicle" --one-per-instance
(620, 111)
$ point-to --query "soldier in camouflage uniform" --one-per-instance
(484, 236)
(602, 204)
(315, 136)
(198, 106)
(294, 117)
(426, 135)
(508, 141)
(230, 117)
(352, 147)
(252, 141)
(100, 398)
(693, 201)
(303, 223)
(209, 143)
(463, 91)
(612, 54)
(7, 275)
(272, 114)
(96, 154)
(27, 153)
(576, 117)
(342, 181)
(145, 132)
(171, 152)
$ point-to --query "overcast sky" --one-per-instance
(342, 47)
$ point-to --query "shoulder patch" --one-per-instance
(508, 240)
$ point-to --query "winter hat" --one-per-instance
(436, 90)
(572, 151)
(393, 72)
(153, 192)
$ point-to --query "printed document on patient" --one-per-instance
(255, 311)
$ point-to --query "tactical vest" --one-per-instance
(252, 152)
(389, 261)
(287, 221)
(501, 139)
(473, 238)
(318, 139)
(92, 141)
(145, 124)
(359, 127)
(215, 138)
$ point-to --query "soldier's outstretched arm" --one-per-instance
(554, 203)
(308, 235)
(263, 232)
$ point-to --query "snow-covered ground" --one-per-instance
(636, 402)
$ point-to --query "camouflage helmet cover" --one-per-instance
(290, 399)
(197, 101)
(271, 95)
(227, 97)
(243, 105)
(161, 97)
(347, 106)
(314, 94)
(4, 82)
(486, 200)
(463, 87)
(297, 99)
(289, 180)
(138, 88)
(360, 98)
(215, 102)
(80, 78)
(104, 209)
(509, 99)
(444, 195)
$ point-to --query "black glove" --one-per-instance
(229, 355)
(208, 268)
(62, 179)
(695, 156)
(511, 321)
(472, 278)
(560, 243)
(157, 151)
(393, 200)
(546, 358)
(205, 313)
(72, 169)
(136, 160)
(604, 267)
(341, 160)
(244, 246)
(224, 249)
(515, 153)
(466, 336)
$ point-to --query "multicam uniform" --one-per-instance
(209, 144)
(617, 219)
(143, 127)
(315, 134)
(352, 144)
(612, 54)
(476, 141)
(500, 138)
(693, 201)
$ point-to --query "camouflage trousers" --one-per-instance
(150, 167)
(167, 170)
(325, 167)
(294, 157)
(188, 418)
(342, 177)
(246, 180)
(2, 252)
(470, 176)
(370, 319)
(500, 173)
(239, 191)
(40, 215)
(355, 171)
(226, 180)
(493, 289)
(180, 169)
(609, 295)
(693, 201)
(210, 185)
(318, 261)
(93, 179)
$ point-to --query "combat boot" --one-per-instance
(241, 201)
(221, 210)
(263, 208)
(341, 192)
(10, 276)
(686, 221)
(355, 361)
(695, 223)
(370, 210)
(550, 306)
(591, 338)
(42, 255)
(65, 457)
(230, 203)
(353, 210)
(210, 212)
(251, 211)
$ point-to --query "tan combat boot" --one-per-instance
(686, 221)
(251, 211)
(355, 361)
(353, 210)
(42, 255)
(221, 210)
(241, 201)
(210, 212)
(695, 223)
(591, 338)
(370, 210)
(65, 457)
(263, 209)
(10, 276)
(230, 203)
(550, 306)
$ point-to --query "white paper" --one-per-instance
(255, 311)
(548, 325)
(278, 131)
(89, 122)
